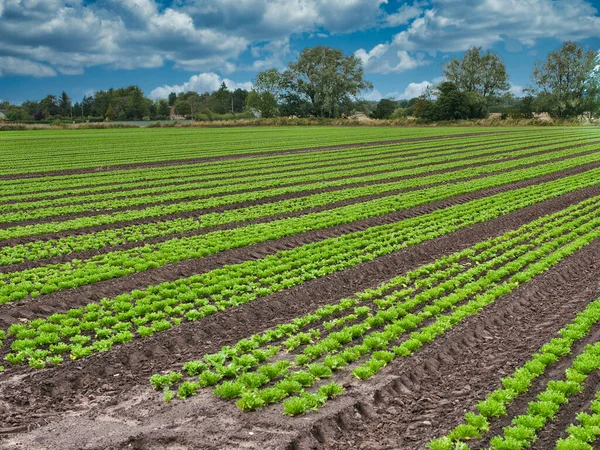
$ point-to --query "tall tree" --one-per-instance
(263, 104)
(163, 108)
(476, 72)
(239, 100)
(385, 108)
(326, 78)
(64, 104)
(172, 98)
(567, 82)
(222, 100)
(110, 113)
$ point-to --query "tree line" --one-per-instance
(323, 82)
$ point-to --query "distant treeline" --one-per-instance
(325, 83)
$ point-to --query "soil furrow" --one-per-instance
(63, 300)
(324, 164)
(274, 198)
(102, 380)
(110, 248)
(247, 155)
(425, 396)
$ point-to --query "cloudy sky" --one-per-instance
(80, 46)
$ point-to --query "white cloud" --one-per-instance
(72, 35)
(404, 14)
(17, 66)
(456, 25)
(373, 96)
(203, 82)
(413, 90)
(452, 25)
(381, 59)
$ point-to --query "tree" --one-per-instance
(385, 108)
(163, 108)
(172, 98)
(239, 100)
(86, 105)
(262, 103)
(451, 104)
(567, 83)
(110, 113)
(477, 72)
(49, 105)
(222, 100)
(182, 107)
(322, 76)
(64, 104)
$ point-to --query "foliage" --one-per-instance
(567, 83)
(484, 74)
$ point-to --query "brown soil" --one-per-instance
(251, 155)
(104, 401)
(61, 301)
(322, 164)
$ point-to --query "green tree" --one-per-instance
(110, 113)
(326, 78)
(49, 105)
(64, 104)
(239, 100)
(222, 100)
(262, 103)
(476, 72)
(163, 109)
(567, 84)
(385, 108)
(182, 107)
(172, 98)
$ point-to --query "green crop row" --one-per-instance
(93, 148)
(524, 429)
(495, 405)
(135, 233)
(582, 436)
(132, 178)
(16, 286)
(508, 261)
(98, 326)
(256, 192)
(260, 181)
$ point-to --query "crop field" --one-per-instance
(300, 288)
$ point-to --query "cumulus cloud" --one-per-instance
(413, 90)
(70, 36)
(17, 66)
(453, 26)
(203, 82)
(383, 59)
(404, 14)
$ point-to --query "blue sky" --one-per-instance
(81, 46)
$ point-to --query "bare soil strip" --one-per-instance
(61, 301)
(322, 164)
(247, 155)
(266, 200)
(383, 166)
(426, 396)
(106, 400)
